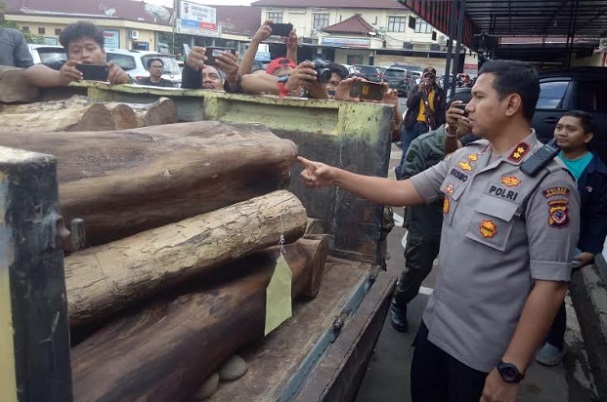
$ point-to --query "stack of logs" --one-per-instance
(182, 223)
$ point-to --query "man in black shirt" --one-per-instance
(155, 68)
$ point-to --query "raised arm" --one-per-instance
(263, 33)
(377, 189)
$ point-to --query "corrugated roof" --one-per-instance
(355, 24)
(239, 20)
(360, 4)
(111, 9)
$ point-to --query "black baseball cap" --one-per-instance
(429, 70)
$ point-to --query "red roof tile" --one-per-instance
(362, 4)
(241, 20)
(355, 24)
(111, 9)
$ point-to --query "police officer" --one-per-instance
(506, 244)
(423, 222)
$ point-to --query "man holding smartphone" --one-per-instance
(425, 111)
(197, 74)
(83, 42)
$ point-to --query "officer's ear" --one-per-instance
(514, 103)
(588, 137)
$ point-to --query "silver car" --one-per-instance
(134, 63)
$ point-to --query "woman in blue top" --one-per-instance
(573, 132)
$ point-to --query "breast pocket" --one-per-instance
(492, 222)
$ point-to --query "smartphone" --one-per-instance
(281, 29)
(93, 72)
(213, 52)
(463, 107)
(367, 90)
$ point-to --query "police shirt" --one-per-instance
(501, 231)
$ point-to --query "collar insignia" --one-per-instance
(519, 152)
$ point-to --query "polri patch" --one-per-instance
(446, 206)
(519, 152)
(554, 191)
(488, 228)
(465, 165)
(511, 181)
(558, 213)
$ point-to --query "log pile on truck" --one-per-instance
(183, 226)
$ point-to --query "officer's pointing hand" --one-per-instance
(316, 174)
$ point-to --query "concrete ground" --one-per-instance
(387, 376)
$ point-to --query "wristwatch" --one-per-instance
(510, 373)
(281, 85)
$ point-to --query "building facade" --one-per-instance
(376, 32)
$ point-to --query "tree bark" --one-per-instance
(14, 87)
(73, 114)
(121, 183)
(104, 279)
(163, 111)
(163, 353)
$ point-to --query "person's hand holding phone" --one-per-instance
(342, 92)
(228, 63)
(263, 33)
(304, 75)
(457, 119)
(116, 75)
(196, 58)
(69, 72)
(291, 41)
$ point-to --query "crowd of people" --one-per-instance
(507, 240)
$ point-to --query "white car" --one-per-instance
(134, 63)
(47, 53)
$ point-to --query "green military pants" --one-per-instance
(420, 253)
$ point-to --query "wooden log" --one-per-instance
(14, 87)
(163, 111)
(77, 113)
(124, 182)
(163, 352)
(104, 279)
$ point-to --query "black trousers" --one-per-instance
(438, 377)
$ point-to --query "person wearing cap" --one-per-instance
(198, 75)
(283, 78)
(425, 111)
(280, 67)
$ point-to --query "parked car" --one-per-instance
(397, 78)
(351, 68)
(134, 63)
(372, 73)
(583, 88)
(47, 53)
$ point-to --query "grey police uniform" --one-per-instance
(501, 231)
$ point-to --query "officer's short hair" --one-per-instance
(153, 59)
(515, 77)
(585, 118)
(79, 30)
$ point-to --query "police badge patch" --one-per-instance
(558, 213)
(488, 228)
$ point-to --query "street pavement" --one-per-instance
(387, 376)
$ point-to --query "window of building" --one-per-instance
(320, 21)
(57, 31)
(275, 16)
(397, 24)
(41, 30)
(422, 26)
(355, 59)
(25, 29)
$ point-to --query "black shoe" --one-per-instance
(398, 317)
